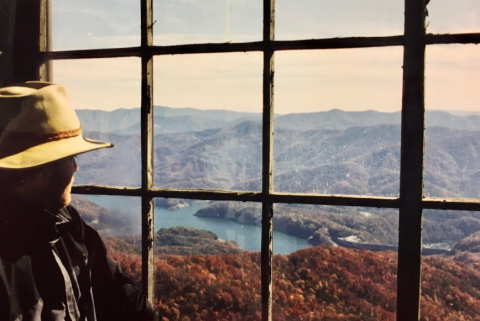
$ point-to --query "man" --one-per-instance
(53, 266)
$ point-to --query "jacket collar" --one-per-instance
(11, 211)
(26, 225)
(61, 217)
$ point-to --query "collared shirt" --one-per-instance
(70, 276)
(54, 267)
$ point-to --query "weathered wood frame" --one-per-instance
(7, 30)
(412, 162)
(267, 158)
(147, 149)
(33, 50)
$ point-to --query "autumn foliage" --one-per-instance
(319, 283)
(451, 288)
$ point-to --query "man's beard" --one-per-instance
(59, 195)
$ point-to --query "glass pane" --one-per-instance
(118, 221)
(348, 273)
(106, 95)
(215, 143)
(90, 24)
(207, 260)
(452, 161)
(460, 16)
(337, 128)
(187, 22)
(306, 19)
(450, 268)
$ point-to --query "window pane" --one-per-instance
(90, 24)
(208, 128)
(207, 260)
(337, 125)
(187, 22)
(350, 271)
(452, 161)
(118, 220)
(460, 16)
(450, 279)
(306, 19)
(106, 94)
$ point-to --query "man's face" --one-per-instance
(50, 187)
(61, 181)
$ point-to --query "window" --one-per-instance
(258, 200)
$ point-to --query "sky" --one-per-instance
(305, 81)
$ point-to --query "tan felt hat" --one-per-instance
(38, 125)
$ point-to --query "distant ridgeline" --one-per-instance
(177, 120)
(332, 152)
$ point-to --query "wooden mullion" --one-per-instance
(307, 44)
(312, 199)
(27, 40)
(460, 38)
(242, 196)
(267, 259)
(44, 68)
(95, 53)
(336, 200)
(148, 276)
(267, 158)
(338, 43)
(451, 204)
(7, 31)
(48, 64)
(333, 43)
(412, 163)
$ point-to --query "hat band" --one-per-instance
(41, 137)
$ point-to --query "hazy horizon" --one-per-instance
(455, 112)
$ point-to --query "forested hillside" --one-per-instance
(320, 283)
(356, 160)
(200, 277)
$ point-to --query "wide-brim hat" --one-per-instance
(38, 125)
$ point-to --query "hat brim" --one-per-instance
(51, 151)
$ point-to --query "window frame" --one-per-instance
(29, 58)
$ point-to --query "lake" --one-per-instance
(248, 237)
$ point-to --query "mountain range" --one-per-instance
(355, 153)
(175, 120)
(353, 160)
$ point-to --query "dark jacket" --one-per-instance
(32, 286)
